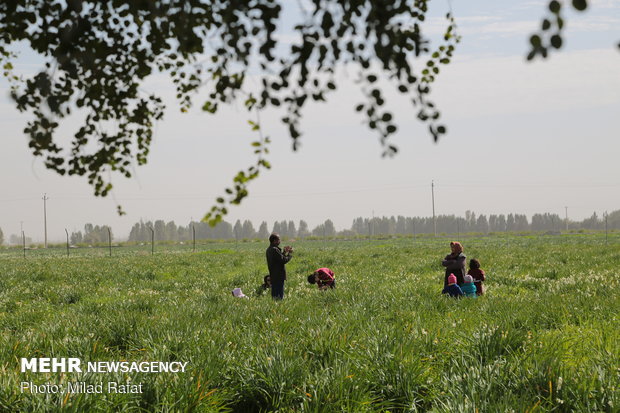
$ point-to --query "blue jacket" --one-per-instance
(469, 289)
(453, 290)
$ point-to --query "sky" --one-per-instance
(523, 137)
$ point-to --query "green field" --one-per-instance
(544, 338)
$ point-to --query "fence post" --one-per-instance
(194, 238)
(110, 240)
(67, 232)
(152, 240)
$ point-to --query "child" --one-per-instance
(452, 289)
(323, 278)
(468, 287)
(264, 286)
(478, 275)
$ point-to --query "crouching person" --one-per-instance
(324, 278)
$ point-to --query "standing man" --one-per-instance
(276, 259)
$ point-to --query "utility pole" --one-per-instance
(45, 198)
(433, 195)
(566, 210)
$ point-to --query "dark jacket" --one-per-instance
(455, 264)
(453, 291)
(275, 262)
(479, 277)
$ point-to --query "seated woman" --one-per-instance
(323, 277)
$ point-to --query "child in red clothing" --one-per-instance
(323, 278)
(477, 274)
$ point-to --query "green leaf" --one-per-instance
(580, 5)
(209, 107)
(555, 6)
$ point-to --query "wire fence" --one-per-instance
(153, 247)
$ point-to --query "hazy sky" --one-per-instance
(522, 137)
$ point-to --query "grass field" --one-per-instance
(544, 338)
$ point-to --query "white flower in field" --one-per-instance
(559, 401)
(559, 385)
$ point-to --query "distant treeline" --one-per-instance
(169, 231)
(447, 224)
(478, 223)
(93, 234)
